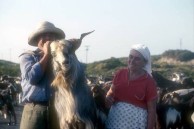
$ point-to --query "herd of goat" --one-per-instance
(79, 101)
(10, 90)
(175, 105)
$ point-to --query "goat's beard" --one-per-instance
(63, 78)
(60, 80)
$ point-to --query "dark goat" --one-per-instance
(7, 107)
(164, 83)
(177, 116)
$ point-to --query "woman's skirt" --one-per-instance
(126, 116)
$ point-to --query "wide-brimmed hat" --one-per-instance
(45, 27)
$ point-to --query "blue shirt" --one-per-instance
(35, 83)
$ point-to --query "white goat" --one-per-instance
(73, 100)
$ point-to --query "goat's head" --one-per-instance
(61, 52)
(64, 60)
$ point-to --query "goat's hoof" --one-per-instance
(9, 123)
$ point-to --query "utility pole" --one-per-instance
(2, 56)
(87, 49)
(180, 44)
(10, 54)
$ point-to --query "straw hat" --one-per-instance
(44, 27)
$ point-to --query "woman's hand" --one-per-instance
(109, 101)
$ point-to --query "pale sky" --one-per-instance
(159, 24)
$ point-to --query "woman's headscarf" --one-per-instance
(141, 48)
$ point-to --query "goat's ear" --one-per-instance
(75, 43)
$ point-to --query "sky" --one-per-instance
(160, 24)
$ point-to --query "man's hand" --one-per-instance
(46, 47)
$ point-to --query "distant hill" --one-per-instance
(177, 57)
(168, 62)
(105, 67)
(9, 68)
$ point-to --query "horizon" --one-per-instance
(109, 57)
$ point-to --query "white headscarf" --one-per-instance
(141, 48)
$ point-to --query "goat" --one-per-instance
(6, 107)
(73, 101)
(178, 116)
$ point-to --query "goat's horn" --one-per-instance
(84, 34)
(77, 45)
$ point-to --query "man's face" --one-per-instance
(43, 38)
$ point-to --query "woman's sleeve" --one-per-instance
(151, 90)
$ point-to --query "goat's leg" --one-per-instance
(14, 116)
(9, 116)
(12, 113)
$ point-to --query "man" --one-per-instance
(35, 82)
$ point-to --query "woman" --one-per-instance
(133, 95)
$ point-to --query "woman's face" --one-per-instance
(135, 61)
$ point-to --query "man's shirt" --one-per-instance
(35, 84)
